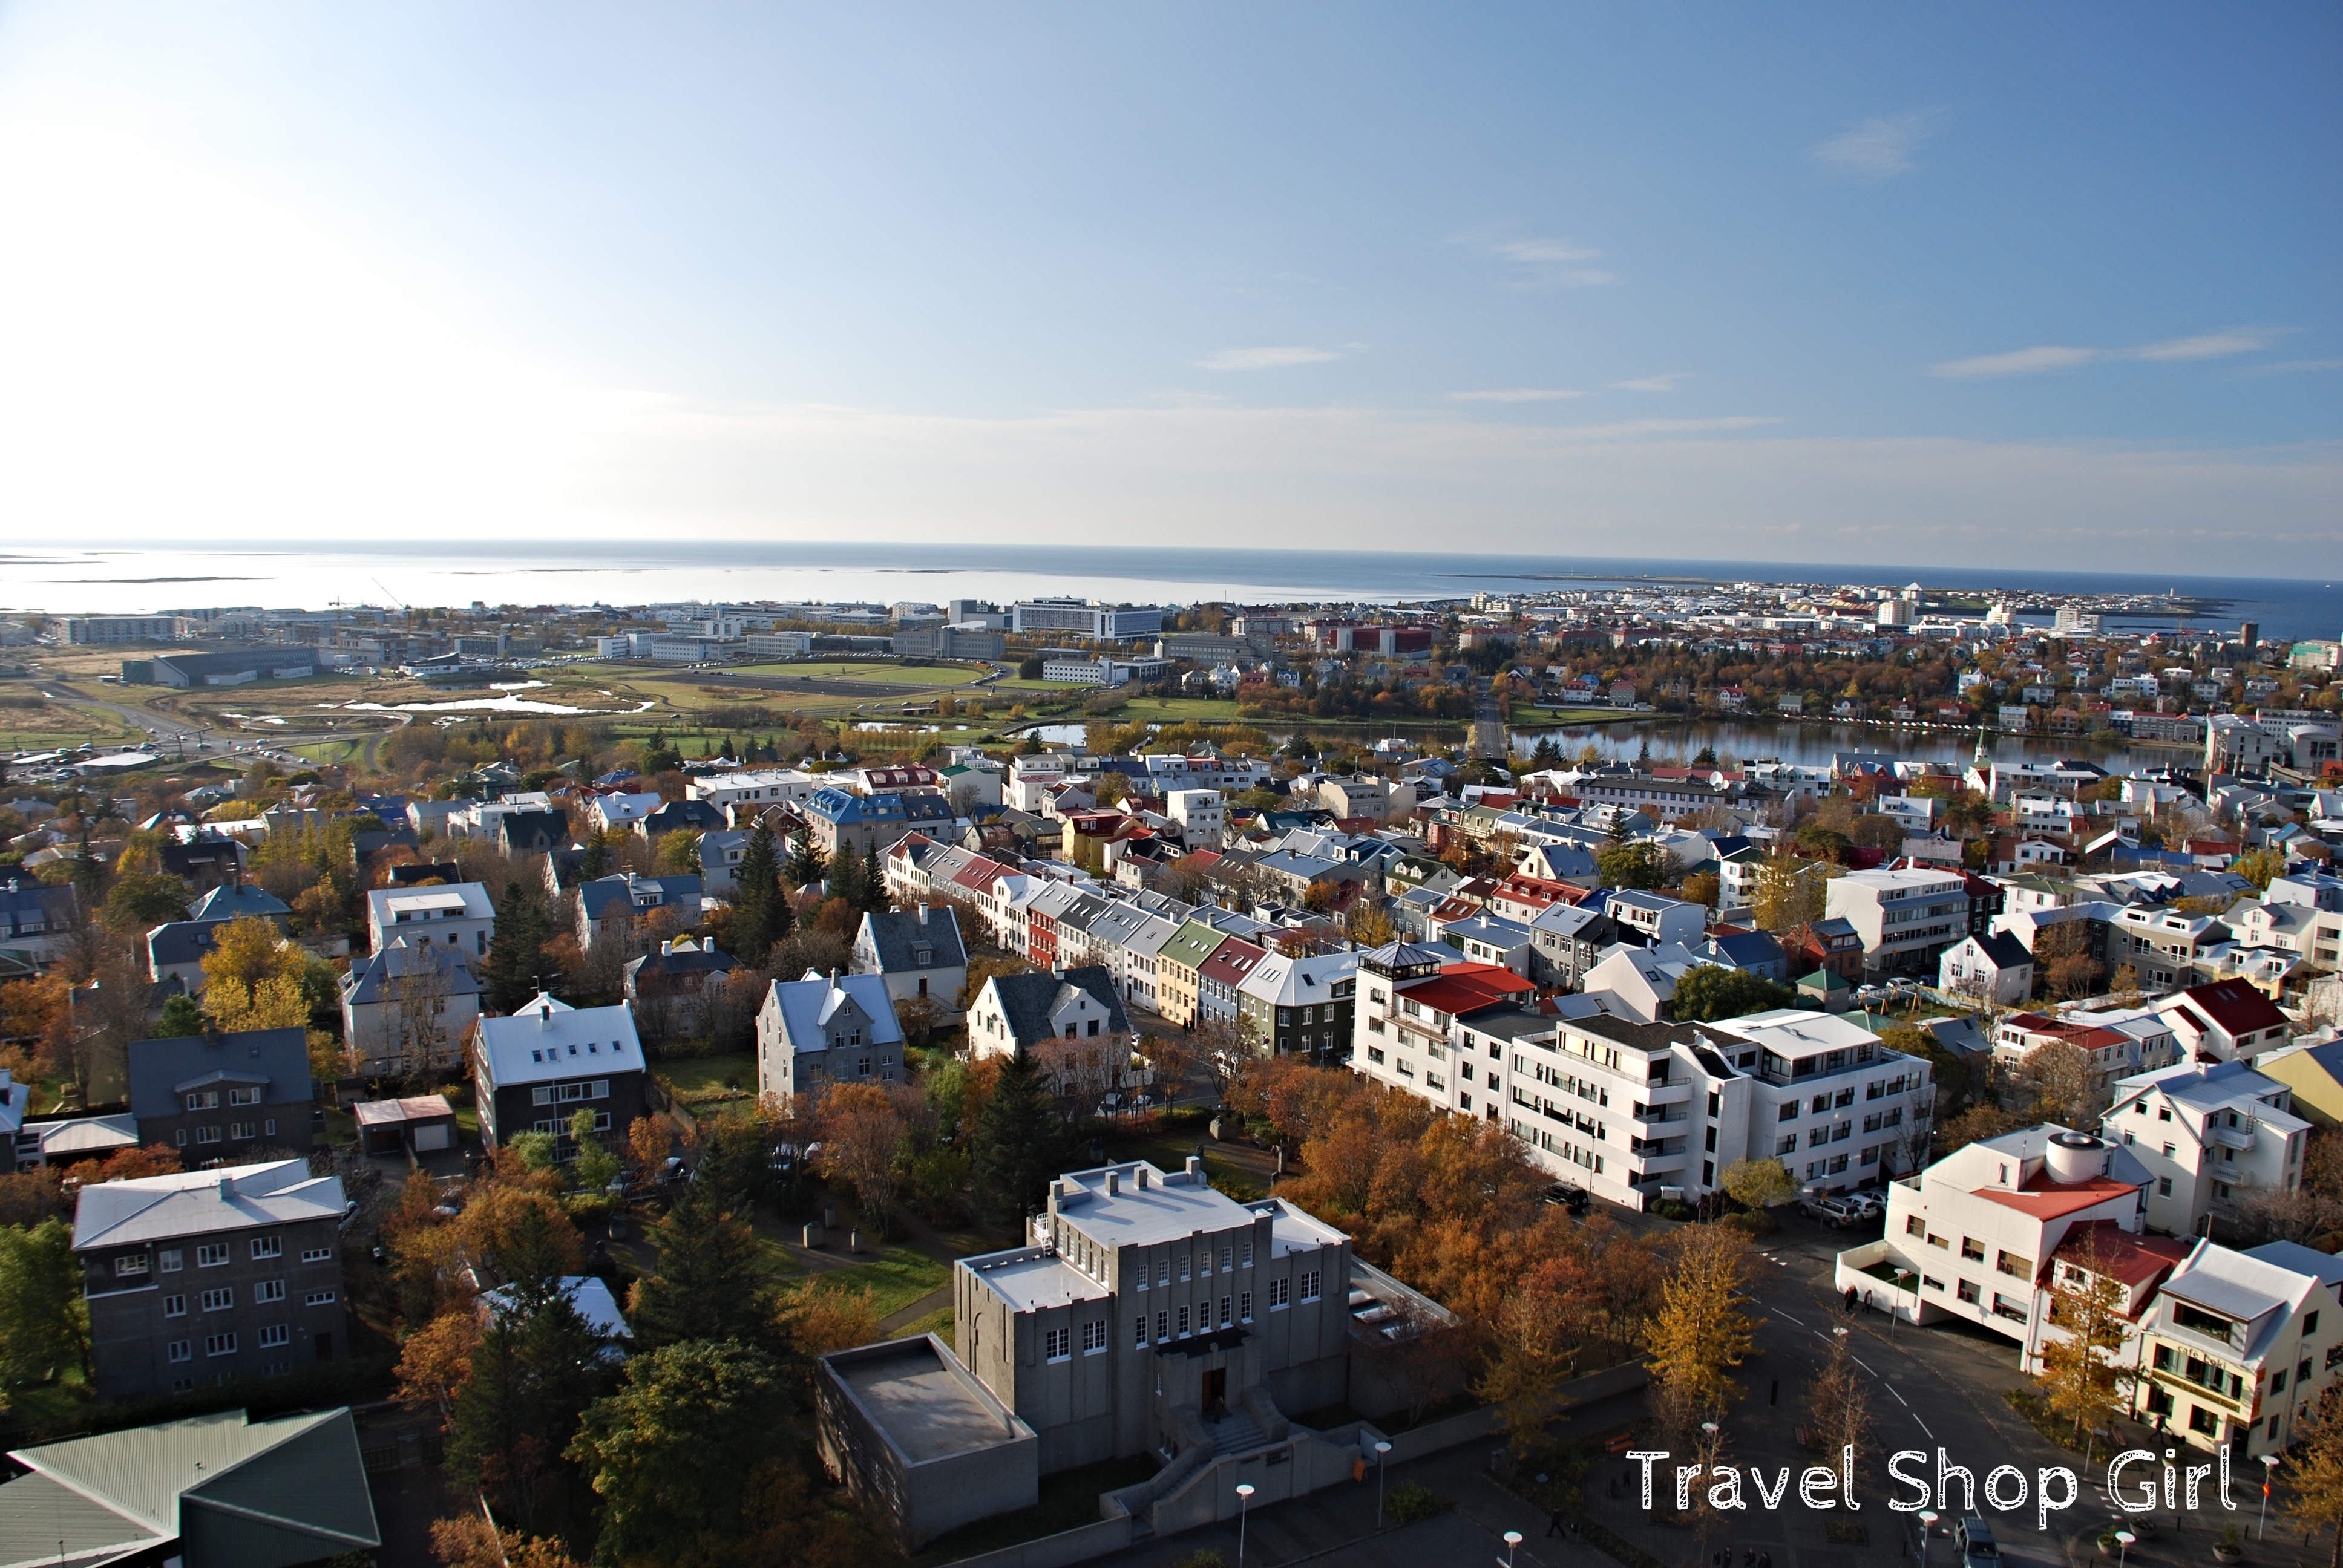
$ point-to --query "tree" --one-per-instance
(1535, 1349)
(141, 901)
(468, 1541)
(2256, 865)
(1790, 891)
(760, 914)
(2058, 1077)
(422, 991)
(711, 1283)
(435, 1361)
(1701, 887)
(2063, 958)
(2080, 1375)
(861, 1131)
(1642, 864)
(1838, 1412)
(2316, 1471)
(182, 1015)
(597, 1166)
(845, 875)
(517, 967)
(1018, 1144)
(648, 1141)
(1708, 992)
(676, 1453)
(805, 861)
(1759, 1183)
(1702, 1329)
(43, 1322)
(534, 1372)
(1368, 925)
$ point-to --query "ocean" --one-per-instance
(139, 579)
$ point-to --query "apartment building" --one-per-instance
(461, 918)
(1906, 918)
(408, 1007)
(208, 1276)
(755, 788)
(216, 1097)
(2161, 945)
(2237, 1347)
(818, 1031)
(2118, 1043)
(533, 1072)
(868, 822)
(1302, 1006)
(2210, 1135)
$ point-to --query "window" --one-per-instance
(1789, 1111)
(211, 1254)
(1245, 1306)
(1138, 1331)
(243, 1130)
(1183, 1323)
(1163, 1325)
(208, 1134)
(2277, 1381)
(1094, 1337)
(130, 1266)
(1967, 1290)
(2018, 1268)
(1310, 1285)
(1225, 1319)
(1162, 1271)
(2310, 1324)
(1247, 1257)
(268, 1128)
(243, 1097)
(1057, 1344)
(207, 1099)
(316, 1254)
(1972, 1249)
(167, 1260)
(268, 1247)
(220, 1300)
(174, 1306)
(268, 1290)
(1279, 1294)
(180, 1350)
(273, 1336)
(1915, 1225)
(2204, 1421)
(220, 1345)
(2164, 1186)
(318, 1299)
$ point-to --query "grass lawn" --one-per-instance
(1069, 1499)
(1170, 1152)
(895, 1279)
(855, 670)
(696, 1078)
(938, 1322)
(780, 1262)
(1016, 683)
(1179, 709)
(1545, 718)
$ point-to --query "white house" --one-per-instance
(2211, 1134)
(1640, 982)
(2237, 1347)
(457, 915)
(1994, 968)
(1656, 919)
(918, 953)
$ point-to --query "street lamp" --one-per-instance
(1244, 1501)
(1383, 1451)
(2124, 1538)
(1513, 1544)
(2269, 1471)
(1928, 1528)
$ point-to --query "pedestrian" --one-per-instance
(1850, 1301)
(1749, 1557)
(1553, 1522)
(1765, 1559)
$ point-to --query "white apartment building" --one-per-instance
(2237, 1347)
(2210, 1134)
(1202, 816)
(458, 917)
(1654, 919)
(758, 787)
(1970, 1236)
(1905, 917)
(2162, 946)
(1100, 623)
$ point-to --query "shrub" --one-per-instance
(1754, 1222)
(1410, 1501)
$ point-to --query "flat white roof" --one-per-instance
(1029, 1278)
(1147, 1208)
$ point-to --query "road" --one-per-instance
(169, 732)
(1489, 738)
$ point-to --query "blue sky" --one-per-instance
(2054, 286)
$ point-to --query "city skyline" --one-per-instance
(1822, 286)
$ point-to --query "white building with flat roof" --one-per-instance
(1905, 917)
(456, 917)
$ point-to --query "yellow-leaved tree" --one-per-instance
(255, 978)
(1702, 1329)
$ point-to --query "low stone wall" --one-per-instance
(1083, 1543)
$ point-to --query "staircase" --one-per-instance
(1236, 1431)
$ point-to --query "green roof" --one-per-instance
(1821, 981)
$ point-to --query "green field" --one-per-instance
(939, 1322)
(696, 1078)
(907, 674)
(1179, 709)
(896, 1279)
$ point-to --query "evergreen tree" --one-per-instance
(845, 875)
(516, 967)
(805, 861)
(873, 888)
(755, 893)
(1018, 1144)
(536, 1369)
(711, 1280)
(597, 859)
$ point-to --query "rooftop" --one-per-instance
(922, 1402)
(198, 1202)
(1146, 1208)
(1031, 1278)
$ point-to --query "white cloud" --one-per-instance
(1878, 149)
(2289, 367)
(1264, 358)
(2047, 357)
(2021, 362)
(1540, 261)
(1667, 383)
(2205, 346)
(1516, 395)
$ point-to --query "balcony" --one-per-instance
(2235, 1136)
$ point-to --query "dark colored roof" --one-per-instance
(676, 966)
(369, 980)
(1027, 1001)
(236, 900)
(2005, 949)
(179, 858)
(181, 942)
(599, 896)
(681, 815)
(281, 1055)
(363, 845)
(897, 937)
(1641, 1035)
(537, 829)
(1748, 949)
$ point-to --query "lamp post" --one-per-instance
(2269, 1472)
(1513, 1544)
(1928, 1528)
(1711, 1440)
(2124, 1538)
(1244, 1502)
(1383, 1451)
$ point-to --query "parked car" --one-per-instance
(1871, 1200)
(1574, 1199)
(1833, 1209)
(1979, 1549)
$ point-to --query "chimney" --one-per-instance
(1142, 1174)
(923, 914)
(1195, 1170)
(544, 1012)
(1113, 1183)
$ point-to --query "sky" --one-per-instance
(2046, 286)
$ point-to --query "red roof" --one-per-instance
(979, 874)
(2049, 1199)
(2236, 1006)
(1231, 961)
(1462, 989)
(2134, 1260)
